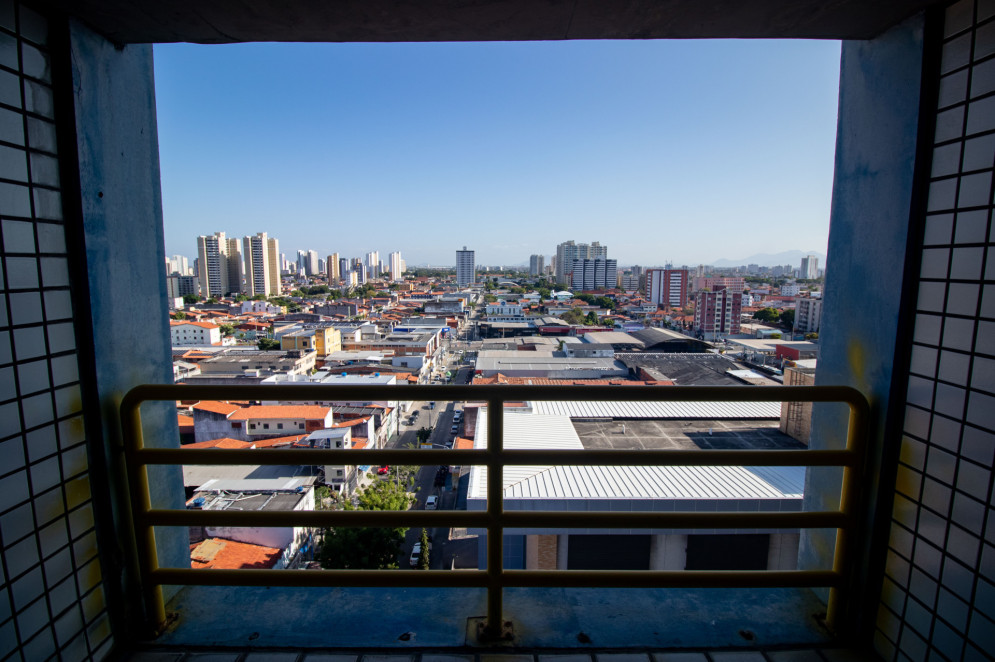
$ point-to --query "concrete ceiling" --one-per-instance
(227, 21)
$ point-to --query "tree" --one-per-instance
(267, 344)
(239, 298)
(811, 336)
(605, 302)
(787, 318)
(574, 316)
(356, 548)
(423, 559)
(490, 298)
(227, 330)
(423, 434)
(766, 315)
(179, 315)
(259, 297)
(190, 299)
(362, 547)
(591, 319)
(212, 300)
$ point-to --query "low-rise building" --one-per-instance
(194, 333)
(808, 315)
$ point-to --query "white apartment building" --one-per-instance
(262, 265)
(503, 309)
(395, 266)
(212, 264)
(808, 315)
(194, 333)
(790, 289)
(594, 274)
(569, 251)
(466, 272)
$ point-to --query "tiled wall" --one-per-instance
(51, 600)
(938, 599)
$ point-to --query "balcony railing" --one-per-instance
(495, 519)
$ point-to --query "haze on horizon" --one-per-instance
(684, 151)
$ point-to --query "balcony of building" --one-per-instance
(911, 232)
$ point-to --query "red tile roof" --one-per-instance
(462, 444)
(231, 555)
(184, 421)
(224, 442)
(308, 412)
(223, 408)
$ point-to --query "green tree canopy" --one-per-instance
(787, 317)
(179, 315)
(360, 548)
(591, 319)
(190, 299)
(267, 344)
(227, 329)
(766, 315)
(423, 562)
(574, 316)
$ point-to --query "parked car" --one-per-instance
(431, 503)
(384, 470)
(457, 417)
(416, 553)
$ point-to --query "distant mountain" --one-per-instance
(794, 258)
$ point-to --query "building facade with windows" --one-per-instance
(466, 272)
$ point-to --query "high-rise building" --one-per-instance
(373, 264)
(395, 266)
(262, 257)
(212, 262)
(465, 268)
(594, 274)
(569, 251)
(669, 287)
(810, 267)
(536, 265)
(717, 313)
(178, 264)
(332, 268)
(236, 270)
(344, 267)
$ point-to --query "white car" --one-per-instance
(416, 553)
(431, 503)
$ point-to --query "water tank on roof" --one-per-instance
(344, 374)
(199, 502)
(376, 374)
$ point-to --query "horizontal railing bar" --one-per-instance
(593, 457)
(314, 518)
(507, 393)
(672, 578)
(509, 519)
(328, 578)
(479, 578)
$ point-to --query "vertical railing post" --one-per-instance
(138, 481)
(495, 509)
(856, 445)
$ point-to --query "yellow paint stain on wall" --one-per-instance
(77, 491)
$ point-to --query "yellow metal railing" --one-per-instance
(495, 578)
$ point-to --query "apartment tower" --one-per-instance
(465, 268)
(261, 256)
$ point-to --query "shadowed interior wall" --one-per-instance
(938, 597)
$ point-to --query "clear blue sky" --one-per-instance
(683, 151)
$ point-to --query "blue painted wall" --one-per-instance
(869, 226)
(122, 218)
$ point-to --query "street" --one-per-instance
(441, 419)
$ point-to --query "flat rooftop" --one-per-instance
(683, 435)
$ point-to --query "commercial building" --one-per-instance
(536, 265)
(466, 272)
(669, 287)
(623, 426)
(261, 256)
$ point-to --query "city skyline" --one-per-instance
(509, 147)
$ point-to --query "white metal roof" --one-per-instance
(671, 410)
(523, 431)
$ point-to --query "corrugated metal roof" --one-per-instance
(671, 410)
(523, 431)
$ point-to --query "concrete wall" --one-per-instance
(783, 551)
(869, 226)
(122, 224)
